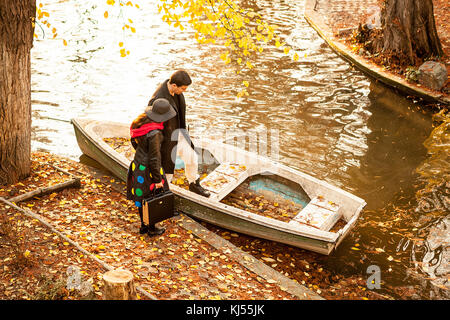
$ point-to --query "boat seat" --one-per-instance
(224, 179)
(318, 213)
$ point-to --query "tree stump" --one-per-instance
(119, 285)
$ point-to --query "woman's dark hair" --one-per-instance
(140, 120)
(180, 78)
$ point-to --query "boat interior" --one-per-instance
(253, 188)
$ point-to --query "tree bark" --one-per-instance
(409, 30)
(16, 41)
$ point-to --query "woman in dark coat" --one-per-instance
(145, 172)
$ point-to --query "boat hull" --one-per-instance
(230, 222)
(96, 152)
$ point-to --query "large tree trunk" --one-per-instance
(16, 40)
(409, 30)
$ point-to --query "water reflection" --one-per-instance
(432, 256)
(332, 121)
(398, 129)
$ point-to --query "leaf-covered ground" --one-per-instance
(176, 265)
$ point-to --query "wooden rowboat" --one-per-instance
(250, 194)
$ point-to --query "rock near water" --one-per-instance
(432, 75)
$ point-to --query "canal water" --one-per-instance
(333, 122)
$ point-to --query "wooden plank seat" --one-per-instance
(224, 179)
(318, 213)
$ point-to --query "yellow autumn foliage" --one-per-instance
(242, 31)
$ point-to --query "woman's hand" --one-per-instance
(159, 185)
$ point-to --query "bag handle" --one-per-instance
(153, 189)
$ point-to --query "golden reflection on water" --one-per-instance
(432, 256)
(435, 170)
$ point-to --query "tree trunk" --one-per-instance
(16, 40)
(409, 30)
(119, 285)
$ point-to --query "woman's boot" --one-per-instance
(155, 231)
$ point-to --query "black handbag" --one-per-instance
(159, 207)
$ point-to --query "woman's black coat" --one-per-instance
(146, 169)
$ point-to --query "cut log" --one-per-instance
(119, 285)
(73, 183)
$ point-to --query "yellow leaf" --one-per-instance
(26, 253)
(105, 14)
(354, 248)
(64, 42)
(65, 243)
(295, 57)
(245, 83)
(120, 45)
